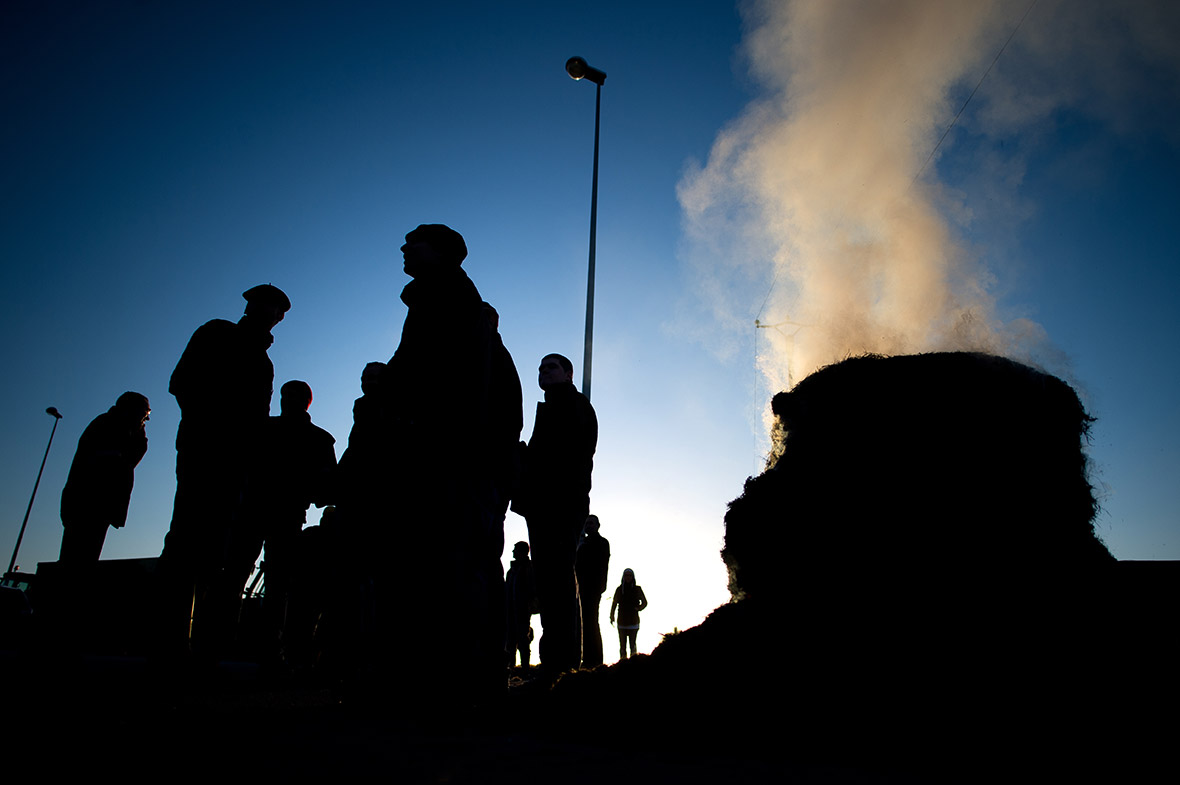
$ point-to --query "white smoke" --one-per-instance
(826, 195)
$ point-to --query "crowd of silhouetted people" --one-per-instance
(415, 506)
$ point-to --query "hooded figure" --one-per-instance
(98, 489)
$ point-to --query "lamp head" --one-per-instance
(578, 68)
(54, 412)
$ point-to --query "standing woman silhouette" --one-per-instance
(629, 601)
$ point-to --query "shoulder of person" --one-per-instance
(215, 326)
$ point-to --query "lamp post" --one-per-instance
(578, 69)
(12, 564)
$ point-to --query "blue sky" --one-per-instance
(159, 159)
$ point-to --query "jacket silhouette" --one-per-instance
(560, 457)
(590, 567)
(520, 592)
(554, 498)
(441, 444)
(98, 488)
(223, 384)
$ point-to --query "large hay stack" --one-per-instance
(956, 465)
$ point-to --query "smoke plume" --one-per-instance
(821, 212)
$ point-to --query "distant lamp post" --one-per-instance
(578, 69)
(12, 564)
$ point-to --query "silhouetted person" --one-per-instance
(223, 384)
(358, 483)
(360, 533)
(292, 472)
(520, 591)
(629, 601)
(443, 443)
(554, 498)
(364, 440)
(98, 488)
(507, 421)
(337, 602)
(590, 567)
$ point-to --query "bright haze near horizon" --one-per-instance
(773, 161)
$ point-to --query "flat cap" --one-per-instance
(266, 293)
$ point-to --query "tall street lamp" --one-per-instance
(578, 68)
(12, 564)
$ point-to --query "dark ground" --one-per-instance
(126, 719)
(118, 717)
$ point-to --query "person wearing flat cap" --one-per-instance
(223, 385)
(440, 445)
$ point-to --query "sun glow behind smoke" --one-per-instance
(823, 182)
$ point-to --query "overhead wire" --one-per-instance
(995, 59)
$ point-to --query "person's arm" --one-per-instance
(602, 578)
(534, 603)
(321, 479)
(137, 445)
(642, 600)
(614, 604)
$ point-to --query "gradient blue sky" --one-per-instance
(159, 159)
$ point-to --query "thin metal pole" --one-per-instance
(21, 536)
(588, 353)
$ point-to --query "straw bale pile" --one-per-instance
(917, 583)
(956, 466)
